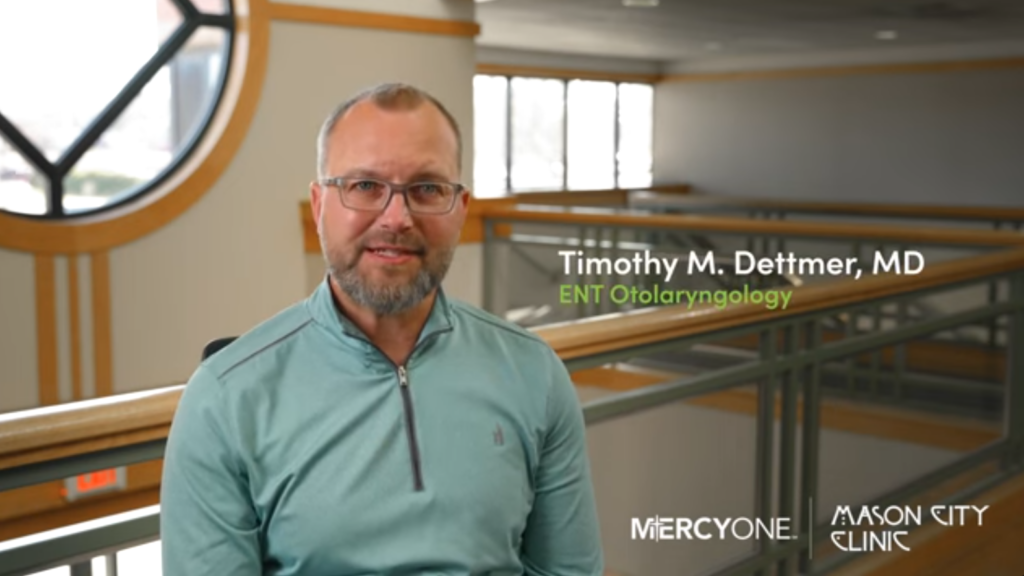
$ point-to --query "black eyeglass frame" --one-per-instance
(392, 187)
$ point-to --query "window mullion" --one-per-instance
(565, 134)
(25, 147)
(615, 135)
(217, 20)
(508, 135)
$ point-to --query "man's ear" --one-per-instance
(316, 195)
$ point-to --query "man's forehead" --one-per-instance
(367, 113)
(367, 132)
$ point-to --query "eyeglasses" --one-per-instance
(374, 195)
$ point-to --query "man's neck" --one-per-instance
(394, 334)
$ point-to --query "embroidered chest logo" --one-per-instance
(499, 435)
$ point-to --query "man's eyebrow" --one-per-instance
(422, 175)
(427, 175)
(362, 173)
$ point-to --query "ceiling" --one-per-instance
(681, 30)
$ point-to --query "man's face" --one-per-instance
(388, 261)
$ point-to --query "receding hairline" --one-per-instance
(390, 96)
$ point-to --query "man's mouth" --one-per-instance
(393, 252)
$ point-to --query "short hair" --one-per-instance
(387, 96)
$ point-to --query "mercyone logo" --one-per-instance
(705, 528)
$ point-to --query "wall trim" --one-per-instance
(99, 276)
(222, 140)
(854, 70)
(75, 327)
(375, 20)
(566, 73)
(46, 329)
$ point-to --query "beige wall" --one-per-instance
(445, 9)
(18, 370)
(236, 256)
(928, 137)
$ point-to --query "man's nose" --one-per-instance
(396, 213)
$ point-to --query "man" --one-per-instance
(379, 427)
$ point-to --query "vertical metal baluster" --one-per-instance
(851, 361)
(763, 489)
(489, 268)
(612, 280)
(584, 278)
(876, 354)
(787, 441)
(900, 355)
(1013, 395)
(810, 446)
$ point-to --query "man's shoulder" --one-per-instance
(477, 319)
(261, 339)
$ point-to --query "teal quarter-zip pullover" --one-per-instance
(302, 450)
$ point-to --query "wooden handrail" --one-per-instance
(917, 211)
(77, 427)
(45, 433)
(604, 216)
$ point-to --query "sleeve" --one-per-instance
(207, 522)
(562, 537)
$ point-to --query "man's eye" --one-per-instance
(427, 189)
(364, 186)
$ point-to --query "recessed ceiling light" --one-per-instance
(886, 35)
(640, 3)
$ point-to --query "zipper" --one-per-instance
(410, 428)
(410, 418)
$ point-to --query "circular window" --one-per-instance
(102, 100)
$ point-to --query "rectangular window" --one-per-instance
(636, 129)
(591, 146)
(538, 130)
(553, 134)
(490, 136)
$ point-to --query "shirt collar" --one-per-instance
(325, 312)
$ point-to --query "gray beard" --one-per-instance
(393, 299)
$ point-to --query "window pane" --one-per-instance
(54, 89)
(211, 6)
(144, 560)
(591, 135)
(22, 189)
(490, 128)
(636, 124)
(537, 133)
(157, 126)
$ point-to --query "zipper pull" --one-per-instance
(403, 378)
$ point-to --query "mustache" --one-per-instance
(410, 242)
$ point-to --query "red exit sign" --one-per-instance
(92, 483)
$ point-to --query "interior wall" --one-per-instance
(18, 367)
(924, 137)
(443, 9)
